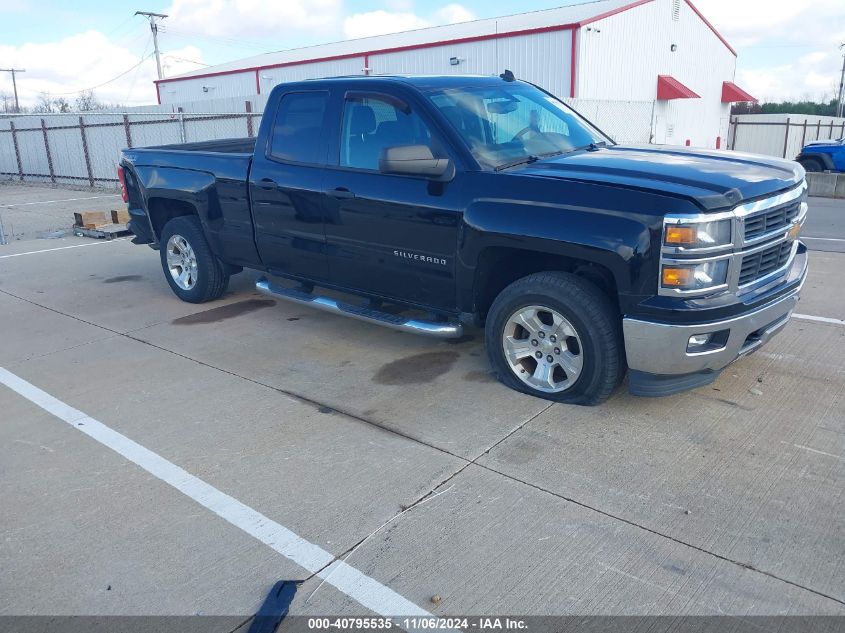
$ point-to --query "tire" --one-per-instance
(586, 353)
(194, 273)
(811, 164)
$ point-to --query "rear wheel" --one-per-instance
(555, 336)
(195, 275)
(811, 164)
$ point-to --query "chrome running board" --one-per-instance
(362, 313)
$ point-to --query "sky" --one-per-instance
(787, 49)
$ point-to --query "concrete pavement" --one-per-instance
(400, 456)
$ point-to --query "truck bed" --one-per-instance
(226, 145)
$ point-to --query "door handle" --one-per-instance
(268, 184)
(341, 193)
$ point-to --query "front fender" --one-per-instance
(616, 241)
(825, 158)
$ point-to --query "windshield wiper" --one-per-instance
(590, 146)
(525, 160)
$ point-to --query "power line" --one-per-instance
(225, 41)
(125, 72)
(135, 76)
(182, 59)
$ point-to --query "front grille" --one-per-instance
(771, 220)
(764, 262)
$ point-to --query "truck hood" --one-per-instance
(713, 179)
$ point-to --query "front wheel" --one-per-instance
(812, 165)
(555, 336)
(194, 273)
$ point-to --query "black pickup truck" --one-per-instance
(485, 200)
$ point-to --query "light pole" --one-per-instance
(839, 105)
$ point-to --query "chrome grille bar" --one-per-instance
(763, 242)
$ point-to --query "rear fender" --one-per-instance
(193, 188)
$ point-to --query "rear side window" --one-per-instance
(296, 129)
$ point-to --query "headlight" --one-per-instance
(679, 276)
(698, 234)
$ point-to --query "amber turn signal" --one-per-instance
(680, 235)
(676, 277)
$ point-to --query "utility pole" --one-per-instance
(152, 17)
(14, 83)
(840, 106)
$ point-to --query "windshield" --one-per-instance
(513, 123)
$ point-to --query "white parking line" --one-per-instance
(25, 204)
(824, 239)
(810, 317)
(814, 450)
(61, 248)
(355, 584)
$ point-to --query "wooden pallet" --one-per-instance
(104, 232)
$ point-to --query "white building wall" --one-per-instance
(620, 57)
(541, 58)
(270, 77)
(240, 84)
(544, 59)
(475, 58)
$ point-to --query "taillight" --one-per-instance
(122, 180)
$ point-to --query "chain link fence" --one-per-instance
(85, 149)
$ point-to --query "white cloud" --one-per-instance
(380, 22)
(86, 60)
(788, 49)
(255, 19)
(453, 13)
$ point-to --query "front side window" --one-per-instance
(503, 124)
(371, 124)
(296, 128)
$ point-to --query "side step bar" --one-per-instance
(362, 313)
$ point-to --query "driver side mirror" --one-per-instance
(414, 160)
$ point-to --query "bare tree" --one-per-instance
(48, 104)
(7, 101)
(86, 101)
(44, 104)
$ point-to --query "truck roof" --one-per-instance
(422, 82)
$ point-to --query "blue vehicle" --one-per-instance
(823, 156)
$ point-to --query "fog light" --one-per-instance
(697, 341)
(710, 342)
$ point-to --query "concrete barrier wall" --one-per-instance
(826, 185)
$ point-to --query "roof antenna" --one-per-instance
(507, 75)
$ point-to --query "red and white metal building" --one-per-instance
(659, 51)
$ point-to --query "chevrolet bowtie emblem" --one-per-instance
(794, 231)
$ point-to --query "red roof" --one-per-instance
(670, 88)
(731, 93)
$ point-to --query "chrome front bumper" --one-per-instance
(660, 349)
